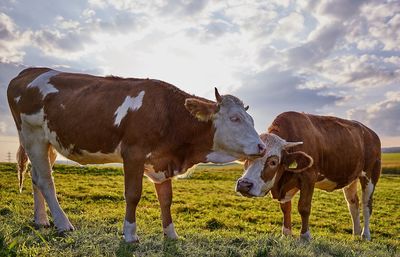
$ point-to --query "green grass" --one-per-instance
(391, 163)
(210, 218)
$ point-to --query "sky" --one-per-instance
(327, 57)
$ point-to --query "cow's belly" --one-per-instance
(86, 157)
(326, 184)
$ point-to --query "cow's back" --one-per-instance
(341, 149)
(85, 113)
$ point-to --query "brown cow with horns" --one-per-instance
(150, 126)
(306, 151)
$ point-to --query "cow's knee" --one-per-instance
(133, 198)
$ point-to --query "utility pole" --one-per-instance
(9, 156)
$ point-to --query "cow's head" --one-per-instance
(234, 127)
(261, 174)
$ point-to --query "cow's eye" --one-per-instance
(272, 163)
(235, 118)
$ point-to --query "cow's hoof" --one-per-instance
(65, 228)
(366, 237)
(306, 236)
(170, 233)
(286, 231)
(38, 224)
(131, 239)
(171, 237)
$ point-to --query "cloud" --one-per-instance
(290, 27)
(11, 40)
(337, 9)
(320, 45)
(275, 90)
(383, 24)
(382, 116)
(360, 71)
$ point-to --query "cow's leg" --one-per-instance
(304, 207)
(38, 152)
(350, 192)
(368, 187)
(133, 179)
(287, 220)
(40, 215)
(164, 195)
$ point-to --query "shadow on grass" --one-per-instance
(168, 248)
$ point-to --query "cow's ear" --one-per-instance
(296, 162)
(202, 110)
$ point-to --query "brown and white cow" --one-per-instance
(150, 126)
(306, 151)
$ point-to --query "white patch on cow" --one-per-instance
(363, 174)
(350, 193)
(219, 157)
(42, 83)
(35, 141)
(129, 231)
(366, 197)
(86, 157)
(289, 195)
(155, 177)
(62, 106)
(170, 232)
(34, 120)
(53, 139)
(326, 185)
(16, 99)
(130, 103)
(148, 155)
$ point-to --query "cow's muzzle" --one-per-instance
(243, 186)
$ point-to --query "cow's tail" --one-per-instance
(22, 165)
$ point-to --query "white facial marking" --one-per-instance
(42, 83)
(253, 175)
(235, 137)
(170, 232)
(219, 157)
(363, 174)
(130, 103)
(326, 184)
(129, 231)
(62, 106)
(148, 155)
(16, 99)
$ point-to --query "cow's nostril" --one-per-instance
(244, 186)
(261, 149)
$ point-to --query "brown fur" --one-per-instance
(341, 149)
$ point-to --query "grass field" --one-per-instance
(391, 163)
(210, 218)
